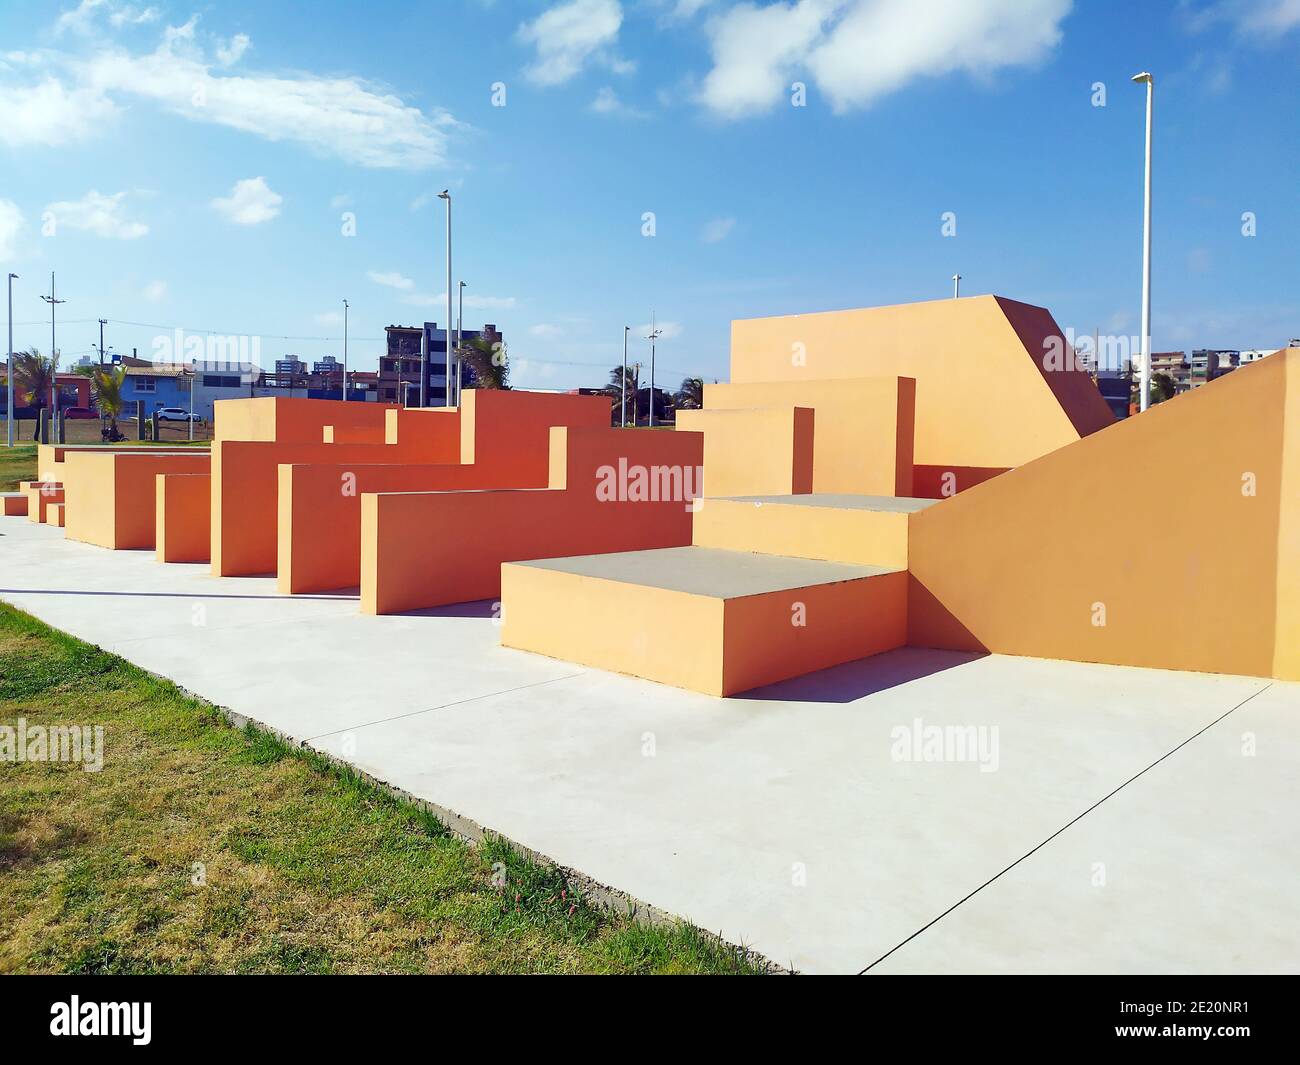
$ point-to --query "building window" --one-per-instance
(146, 384)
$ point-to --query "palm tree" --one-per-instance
(621, 381)
(106, 383)
(36, 373)
(488, 361)
(691, 395)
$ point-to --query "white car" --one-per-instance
(175, 414)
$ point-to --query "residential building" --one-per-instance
(157, 386)
(1207, 364)
(1174, 364)
(399, 369)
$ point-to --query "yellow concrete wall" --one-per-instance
(765, 451)
(986, 397)
(862, 537)
(1147, 521)
(1286, 655)
(863, 428)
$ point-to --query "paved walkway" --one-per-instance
(1115, 821)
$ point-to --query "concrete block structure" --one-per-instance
(182, 517)
(111, 496)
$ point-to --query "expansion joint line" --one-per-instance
(1065, 826)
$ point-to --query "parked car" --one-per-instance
(176, 414)
(79, 412)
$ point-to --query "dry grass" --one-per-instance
(304, 867)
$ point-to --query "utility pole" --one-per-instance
(655, 334)
(460, 322)
(1144, 391)
(54, 360)
(445, 194)
(622, 408)
(345, 351)
(956, 286)
(102, 322)
(636, 392)
(9, 413)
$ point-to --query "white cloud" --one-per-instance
(51, 114)
(81, 19)
(545, 331)
(718, 230)
(11, 223)
(476, 302)
(343, 199)
(343, 117)
(329, 318)
(98, 214)
(155, 291)
(569, 35)
(250, 202)
(608, 103)
(858, 51)
(688, 9)
(392, 279)
(1261, 19)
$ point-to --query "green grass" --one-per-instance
(17, 463)
(304, 867)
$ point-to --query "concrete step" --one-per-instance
(13, 504)
(711, 620)
(54, 515)
(40, 494)
(857, 529)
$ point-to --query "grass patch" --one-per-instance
(17, 463)
(204, 848)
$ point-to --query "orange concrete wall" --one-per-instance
(763, 451)
(290, 421)
(319, 521)
(987, 398)
(14, 504)
(864, 427)
(503, 438)
(1146, 521)
(353, 434)
(111, 498)
(430, 549)
(1286, 629)
(182, 516)
(436, 429)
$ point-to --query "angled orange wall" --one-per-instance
(435, 428)
(1286, 655)
(762, 451)
(425, 549)
(291, 421)
(864, 427)
(182, 517)
(986, 399)
(111, 497)
(1145, 526)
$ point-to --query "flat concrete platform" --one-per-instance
(708, 571)
(1125, 820)
(890, 504)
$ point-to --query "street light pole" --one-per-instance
(9, 415)
(460, 323)
(54, 367)
(655, 334)
(102, 322)
(445, 194)
(622, 406)
(1144, 390)
(345, 351)
(193, 375)
(956, 286)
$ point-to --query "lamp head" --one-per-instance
(445, 194)
(1143, 77)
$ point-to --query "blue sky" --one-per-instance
(194, 165)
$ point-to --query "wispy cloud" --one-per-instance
(11, 223)
(250, 203)
(391, 279)
(608, 103)
(155, 291)
(96, 213)
(568, 36)
(718, 230)
(857, 51)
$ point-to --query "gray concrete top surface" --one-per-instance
(1112, 820)
(839, 501)
(709, 571)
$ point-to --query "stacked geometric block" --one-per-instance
(934, 474)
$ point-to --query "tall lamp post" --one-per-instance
(9, 413)
(655, 334)
(1144, 390)
(460, 322)
(622, 406)
(54, 368)
(345, 351)
(445, 194)
(956, 286)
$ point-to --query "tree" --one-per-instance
(691, 395)
(36, 374)
(488, 361)
(106, 382)
(629, 381)
(1162, 388)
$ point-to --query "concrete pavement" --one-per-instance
(1076, 817)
